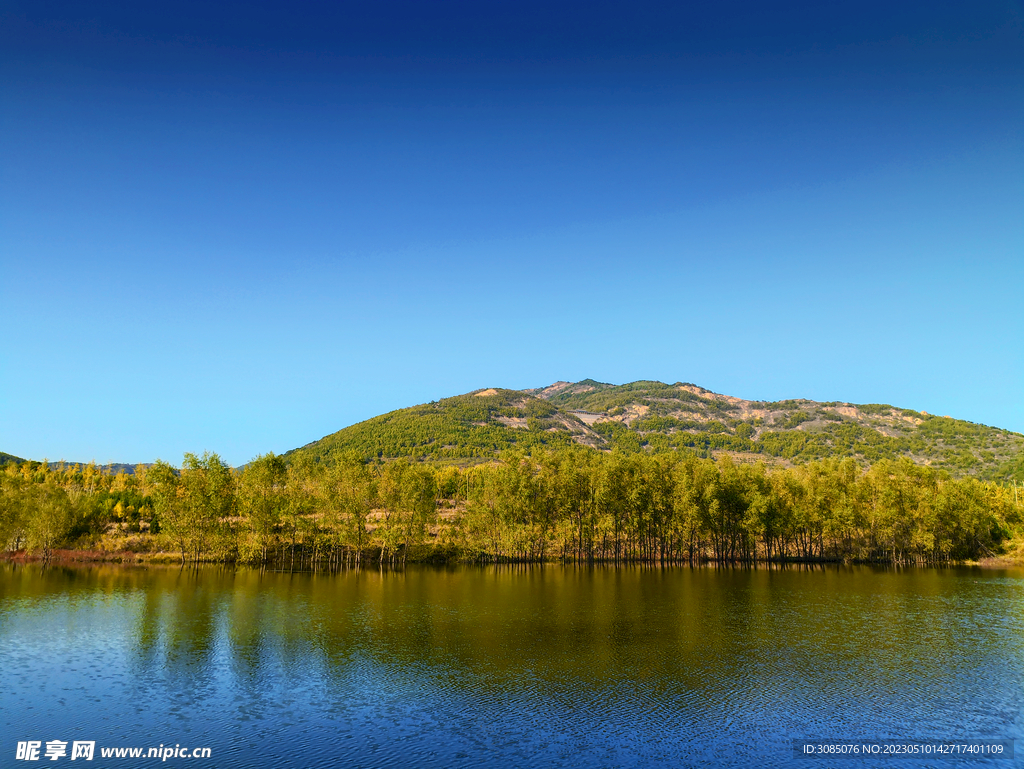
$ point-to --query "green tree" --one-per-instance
(262, 500)
(51, 518)
(349, 495)
(12, 509)
(191, 503)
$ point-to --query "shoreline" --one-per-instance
(64, 557)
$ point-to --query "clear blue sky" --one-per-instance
(238, 227)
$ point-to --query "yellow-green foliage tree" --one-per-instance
(192, 503)
(348, 494)
(261, 502)
(51, 520)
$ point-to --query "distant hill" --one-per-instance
(114, 468)
(654, 416)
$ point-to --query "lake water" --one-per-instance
(545, 666)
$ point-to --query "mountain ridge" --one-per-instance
(653, 416)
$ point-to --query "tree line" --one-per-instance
(569, 504)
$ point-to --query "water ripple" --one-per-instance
(470, 667)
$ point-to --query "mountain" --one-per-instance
(654, 416)
(5, 458)
(113, 468)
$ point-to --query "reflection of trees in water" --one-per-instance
(605, 634)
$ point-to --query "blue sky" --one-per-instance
(241, 227)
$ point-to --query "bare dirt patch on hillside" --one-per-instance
(516, 423)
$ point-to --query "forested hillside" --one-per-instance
(653, 417)
(585, 471)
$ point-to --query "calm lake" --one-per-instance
(513, 667)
